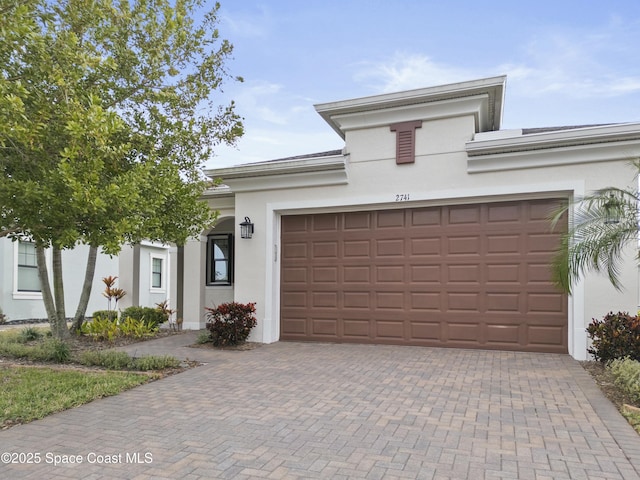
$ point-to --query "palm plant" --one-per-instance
(603, 224)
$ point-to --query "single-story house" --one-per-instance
(143, 271)
(429, 228)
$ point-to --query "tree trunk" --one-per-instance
(47, 297)
(78, 319)
(58, 293)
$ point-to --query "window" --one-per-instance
(156, 272)
(28, 280)
(220, 259)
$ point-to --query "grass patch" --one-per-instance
(31, 393)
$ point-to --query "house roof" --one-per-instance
(491, 89)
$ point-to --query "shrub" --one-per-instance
(230, 323)
(105, 314)
(3, 317)
(617, 335)
(152, 316)
(627, 376)
(131, 327)
(100, 328)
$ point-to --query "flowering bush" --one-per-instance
(230, 323)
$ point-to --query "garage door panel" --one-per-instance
(472, 276)
(389, 300)
(357, 221)
(426, 301)
(327, 327)
(362, 274)
(393, 247)
(427, 247)
(504, 213)
(386, 329)
(545, 303)
(463, 332)
(426, 331)
(294, 250)
(465, 214)
(462, 302)
(425, 273)
(390, 219)
(503, 244)
(325, 223)
(464, 273)
(497, 273)
(504, 302)
(430, 217)
(357, 300)
(357, 249)
(356, 329)
(467, 245)
(498, 333)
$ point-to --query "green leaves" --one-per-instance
(107, 115)
(603, 225)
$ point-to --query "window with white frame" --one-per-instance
(27, 268)
(219, 259)
(158, 271)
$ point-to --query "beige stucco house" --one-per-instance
(430, 227)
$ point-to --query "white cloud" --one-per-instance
(406, 71)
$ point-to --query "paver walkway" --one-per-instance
(292, 410)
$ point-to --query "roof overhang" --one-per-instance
(285, 173)
(511, 149)
(483, 98)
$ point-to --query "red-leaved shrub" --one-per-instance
(230, 323)
(617, 335)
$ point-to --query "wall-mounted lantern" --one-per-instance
(246, 228)
(612, 210)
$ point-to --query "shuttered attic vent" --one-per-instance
(406, 140)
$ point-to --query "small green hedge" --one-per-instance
(627, 376)
(151, 316)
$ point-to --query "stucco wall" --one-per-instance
(439, 175)
(74, 266)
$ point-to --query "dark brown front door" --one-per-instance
(469, 276)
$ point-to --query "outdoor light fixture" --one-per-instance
(612, 210)
(246, 228)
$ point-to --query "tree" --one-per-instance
(107, 116)
(604, 223)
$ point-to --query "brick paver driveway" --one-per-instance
(291, 410)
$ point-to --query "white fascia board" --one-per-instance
(477, 105)
(549, 157)
(291, 173)
(482, 145)
(493, 87)
(308, 179)
(278, 167)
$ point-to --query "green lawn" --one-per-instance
(30, 393)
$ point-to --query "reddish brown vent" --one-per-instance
(406, 140)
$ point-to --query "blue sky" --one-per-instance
(567, 62)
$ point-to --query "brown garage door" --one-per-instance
(470, 276)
